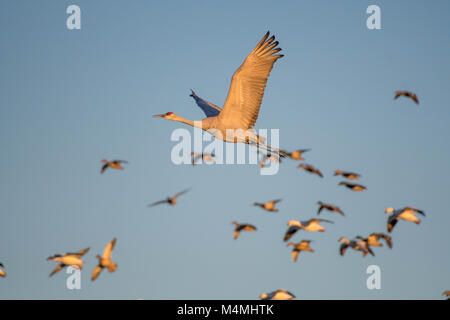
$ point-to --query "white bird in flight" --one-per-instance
(234, 123)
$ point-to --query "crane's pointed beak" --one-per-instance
(158, 115)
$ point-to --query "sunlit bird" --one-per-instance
(242, 227)
(329, 207)
(310, 169)
(373, 240)
(406, 213)
(447, 294)
(243, 102)
(346, 174)
(301, 246)
(105, 260)
(311, 225)
(297, 154)
(280, 294)
(356, 244)
(68, 259)
(205, 157)
(268, 206)
(352, 186)
(170, 200)
(2, 272)
(115, 164)
(407, 94)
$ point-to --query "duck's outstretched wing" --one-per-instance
(210, 109)
(248, 84)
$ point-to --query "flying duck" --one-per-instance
(352, 186)
(280, 294)
(170, 200)
(407, 213)
(206, 157)
(68, 259)
(373, 240)
(2, 272)
(310, 225)
(407, 94)
(301, 246)
(358, 245)
(310, 169)
(115, 164)
(447, 294)
(105, 260)
(242, 227)
(329, 207)
(346, 174)
(268, 206)
(297, 154)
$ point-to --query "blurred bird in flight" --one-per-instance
(310, 169)
(301, 246)
(329, 207)
(268, 206)
(352, 186)
(68, 259)
(2, 272)
(311, 225)
(348, 175)
(206, 157)
(407, 94)
(105, 260)
(170, 200)
(280, 294)
(407, 214)
(356, 244)
(242, 227)
(115, 164)
(297, 154)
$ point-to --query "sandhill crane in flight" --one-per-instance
(206, 157)
(329, 207)
(301, 246)
(234, 122)
(170, 200)
(352, 186)
(311, 225)
(406, 214)
(346, 174)
(2, 272)
(356, 244)
(105, 260)
(115, 164)
(242, 227)
(310, 169)
(268, 206)
(297, 154)
(279, 294)
(68, 259)
(407, 94)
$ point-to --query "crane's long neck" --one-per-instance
(196, 124)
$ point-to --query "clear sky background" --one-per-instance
(71, 98)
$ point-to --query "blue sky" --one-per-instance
(70, 98)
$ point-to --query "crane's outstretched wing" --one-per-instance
(210, 110)
(248, 84)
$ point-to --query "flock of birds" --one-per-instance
(240, 113)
